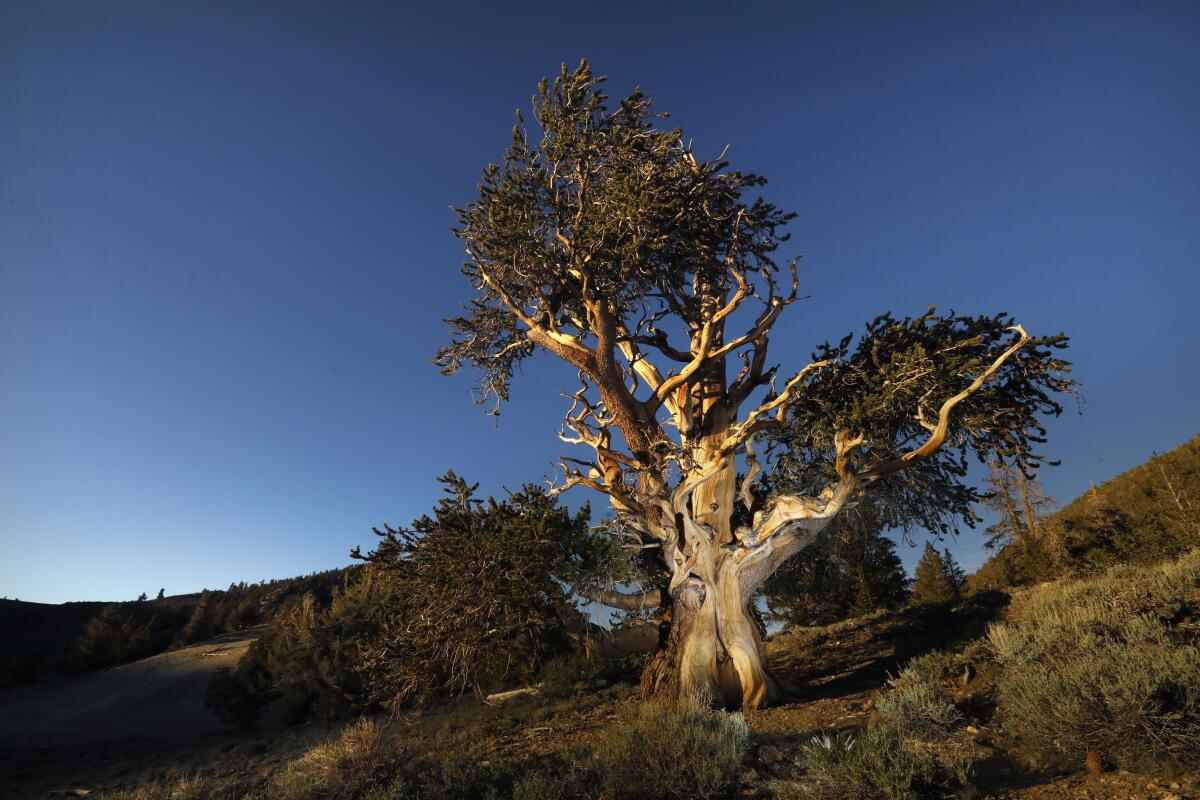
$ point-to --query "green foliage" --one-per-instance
(937, 579)
(243, 605)
(850, 571)
(467, 599)
(1147, 513)
(913, 751)
(889, 380)
(307, 658)
(235, 696)
(477, 595)
(1139, 517)
(573, 672)
(683, 752)
(1022, 510)
(124, 632)
(918, 706)
(1098, 665)
(598, 186)
(941, 665)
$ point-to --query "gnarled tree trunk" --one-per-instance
(712, 651)
(711, 646)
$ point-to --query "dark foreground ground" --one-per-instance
(145, 721)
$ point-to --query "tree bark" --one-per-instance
(712, 649)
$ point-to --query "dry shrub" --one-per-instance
(915, 750)
(343, 767)
(882, 763)
(684, 752)
(1099, 665)
(917, 706)
(189, 788)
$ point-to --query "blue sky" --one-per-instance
(225, 251)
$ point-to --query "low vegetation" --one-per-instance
(471, 598)
(697, 754)
(916, 748)
(1109, 665)
(75, 638)
(683, 752)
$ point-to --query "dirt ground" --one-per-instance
(145, 721)
(137, 720)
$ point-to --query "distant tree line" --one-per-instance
(124, 632)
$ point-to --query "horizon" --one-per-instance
(225, 254)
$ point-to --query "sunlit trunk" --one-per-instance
(713, 650)
(714, 647)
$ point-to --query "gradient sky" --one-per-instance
(225, 251)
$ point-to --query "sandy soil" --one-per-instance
(98, 729)
(157, 697)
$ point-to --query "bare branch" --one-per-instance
(779, 405)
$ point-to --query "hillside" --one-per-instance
(37, 635)
(1144, 514)
(43, 640)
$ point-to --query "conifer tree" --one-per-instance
(202, 622)
(1033, 549)
(853, 570)
(934, 580)
(957, 576)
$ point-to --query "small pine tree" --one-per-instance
(850, 571)
(142, 597)
(201, 624)
(161, 594)
(935, 580)
(954, 570)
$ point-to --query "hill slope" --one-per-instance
(1139, 516)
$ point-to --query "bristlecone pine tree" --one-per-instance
(937, 578)
(600, 238)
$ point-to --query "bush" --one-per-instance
(538, 785)
(683, 752)
(363, 764)
(183, 789)
(344, 767)
(120, 633)
(913, 751)
(307, 658)
(572, 673)
(881, 763)
(234, 697)
(1097, 665)
(1133, 695)
(917, 706)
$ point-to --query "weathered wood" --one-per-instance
(500, 698)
